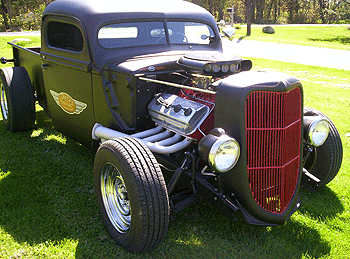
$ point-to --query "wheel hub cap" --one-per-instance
(115, 198)
(3, 98)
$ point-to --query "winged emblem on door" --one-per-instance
(67, 103)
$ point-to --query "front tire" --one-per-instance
(131, 194)
(325, 161)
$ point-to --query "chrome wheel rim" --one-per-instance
(115, 198)
(4, 106)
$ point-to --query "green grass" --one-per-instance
(336, 37)
(48, 207)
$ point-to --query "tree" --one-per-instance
(26, 13)
(22, 13)
(249, 13)
(4, 11)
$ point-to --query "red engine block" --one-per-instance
(206, 99)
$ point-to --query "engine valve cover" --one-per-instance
(177, 114)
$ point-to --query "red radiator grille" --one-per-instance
(273, 130)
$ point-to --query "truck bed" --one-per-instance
(30, 59)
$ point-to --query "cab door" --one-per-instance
(65, 62)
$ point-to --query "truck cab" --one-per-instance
(119, 38)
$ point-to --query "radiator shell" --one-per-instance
(247, 178)
(273, 143)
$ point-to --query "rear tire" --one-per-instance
(17, 99)
(131, 194)
(325, 161)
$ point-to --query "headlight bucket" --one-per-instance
(316, 130)
(219, 150)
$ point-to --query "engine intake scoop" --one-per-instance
(211, 64)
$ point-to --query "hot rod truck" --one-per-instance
(172, 118)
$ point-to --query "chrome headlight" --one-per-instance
(317, 130)
(224, 154)
(219, 150)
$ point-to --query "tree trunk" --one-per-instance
(291, 9)
(220, 6)
(249, 16)
(252, 10)
(4, 14)
(260, 4)
(276, 11)
(269, 10)
(322, 8)
(211, 7)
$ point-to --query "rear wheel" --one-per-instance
(325, 161)
(17, 99)
(131, 194)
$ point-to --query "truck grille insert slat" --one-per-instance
(273, 130)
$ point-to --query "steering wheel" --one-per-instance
(179, 38)
(182, 37)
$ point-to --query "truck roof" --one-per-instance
(113, 10)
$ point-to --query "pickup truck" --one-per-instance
(172, 119)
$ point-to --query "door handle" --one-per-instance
(44, 65)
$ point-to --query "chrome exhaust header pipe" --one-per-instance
(158, 139)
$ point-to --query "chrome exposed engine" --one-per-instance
(189, 111)
(180, 115)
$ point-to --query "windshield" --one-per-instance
(132, 34)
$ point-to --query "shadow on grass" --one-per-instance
(339, 39)
(47, 195)
(46, 190)
(322, 204)
(202, 232)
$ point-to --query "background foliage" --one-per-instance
(281, 11)
(19, 15)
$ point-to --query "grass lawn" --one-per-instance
(6, 49)
(48, 207)
(336, 37)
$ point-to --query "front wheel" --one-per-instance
(131, 194)
(324, 161)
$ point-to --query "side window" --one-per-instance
(64, 36)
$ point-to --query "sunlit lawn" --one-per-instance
(337, 37)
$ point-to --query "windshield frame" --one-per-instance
(212, 37)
